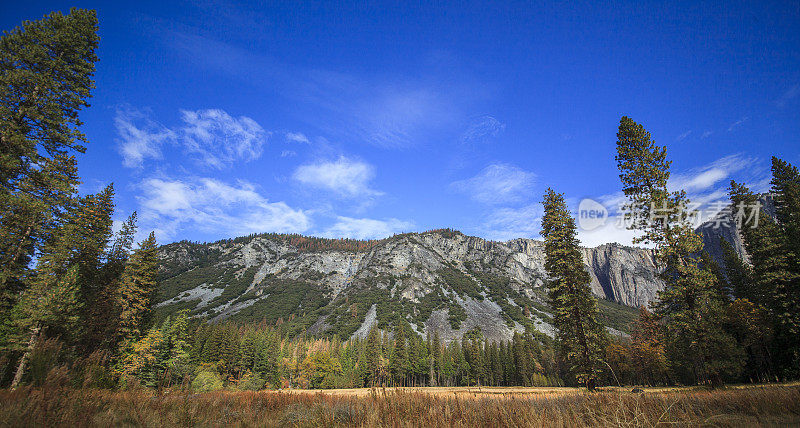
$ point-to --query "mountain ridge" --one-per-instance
(440, 280)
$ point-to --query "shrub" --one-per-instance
(250, 382)
(206, 381)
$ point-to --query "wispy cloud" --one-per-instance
(738, 123)
(344, 177)
(212, 206)
(400, 117)
(297, 137)
(288, 153)
(503, 224)
(498, 183)
(706, 134)
(787, 96)
(213, 137)
(683, 136)
(708, 176)
(482, 129)
(386, 109)
(220, 139)
(366, 228)
(139, 137)
(706, 188)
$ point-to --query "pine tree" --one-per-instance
(177, 333)
(435, 347)
(690, 303)
(580, 337)
(372, 356)
(51, 302)
(398, 364)
(135, 293)
(773, 249)
(90, 238)
(66, 268)
(46, 69)
(786, 291)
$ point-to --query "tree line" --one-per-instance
(257, 355)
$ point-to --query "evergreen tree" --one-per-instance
(690, 303)
(89, 236)
(435, 347)
(399, 364)
(67, 266)
(135, 293)
(773, 250)
(46, 70)
(786, 291)
(51, 302)
(580, 337)
(372, 356)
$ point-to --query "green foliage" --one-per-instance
(691, 303)
(460, 283)
(285, 301)
(773, 248)
(616, 315)
(46, 69)
(581, 339)
(250, 382)
(136, 290)
(206, 381)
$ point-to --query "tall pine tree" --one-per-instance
(774, 254)
(580, 337)
(46, 70)
(690, 304)
(136, 290)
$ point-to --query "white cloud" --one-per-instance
(503, 224)
(706, 134)
(288, 153)
(498, 184)
(706, 188)
(705, 177)
(345, 177)
(297, 137)
(738, 123)
(366, 228)
(139, 137)
(683, 136)
(214, 207)
(216, 138)
(482, 129)
(220, 139)
(611, 231)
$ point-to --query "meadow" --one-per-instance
(769, 405)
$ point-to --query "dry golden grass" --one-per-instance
(777, 405)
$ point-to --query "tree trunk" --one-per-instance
(24, 359)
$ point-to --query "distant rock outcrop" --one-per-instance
(439, 281)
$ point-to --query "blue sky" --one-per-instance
(219, 119)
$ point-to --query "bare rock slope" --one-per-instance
(440, 281)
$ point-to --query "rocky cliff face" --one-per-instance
(440, 281)
(723, 226)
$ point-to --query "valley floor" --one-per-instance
(751, 405)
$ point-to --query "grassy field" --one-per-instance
(773, 405)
